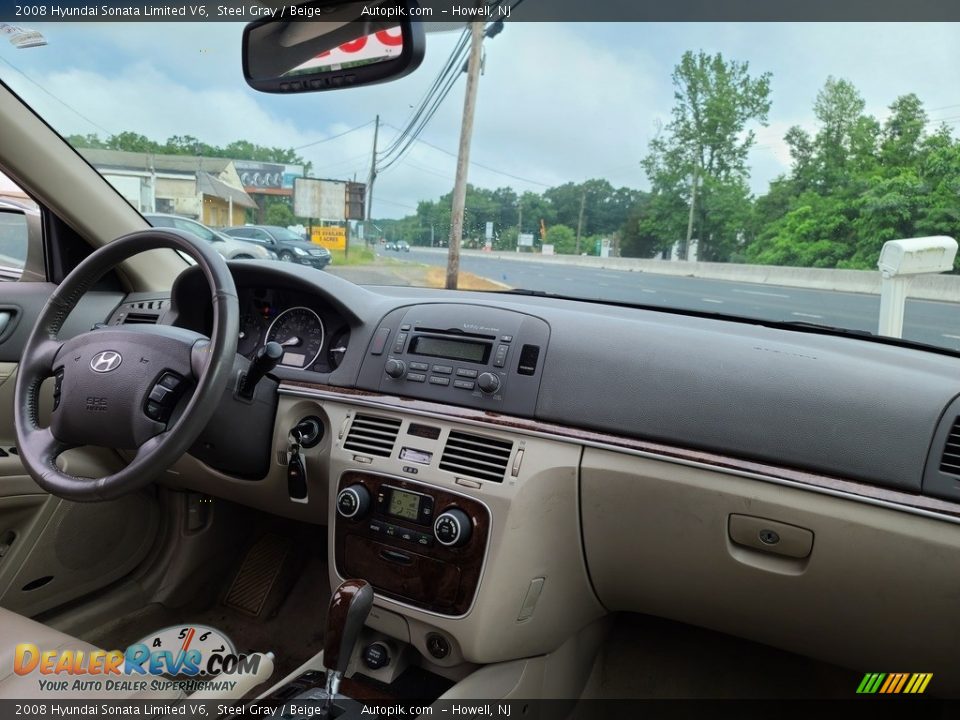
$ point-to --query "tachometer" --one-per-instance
(300, 331)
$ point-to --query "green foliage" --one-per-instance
(188, 145)
(705, 146)
(279, 213)
(562, 238)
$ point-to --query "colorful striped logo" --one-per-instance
(894, 683)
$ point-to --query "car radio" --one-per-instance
(461, 354)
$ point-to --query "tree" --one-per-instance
(699, 160)
(563, 239)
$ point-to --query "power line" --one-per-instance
(67, 106)
(334, 137)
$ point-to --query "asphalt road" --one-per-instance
(935, 323)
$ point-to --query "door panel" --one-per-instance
(53, 551)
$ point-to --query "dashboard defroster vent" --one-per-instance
(950, 460)
(372, 435)
(476, 456)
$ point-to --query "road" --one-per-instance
(935, 323)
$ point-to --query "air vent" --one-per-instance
(476, 456)
(372, 435)
(950, 461)
(132, 318)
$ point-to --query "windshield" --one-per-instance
(745, 169)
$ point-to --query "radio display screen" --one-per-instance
(467, 350)
(404, 504)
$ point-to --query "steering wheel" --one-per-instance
(123, 387)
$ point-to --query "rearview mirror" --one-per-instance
(330, 46)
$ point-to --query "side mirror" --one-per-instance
(344, 45)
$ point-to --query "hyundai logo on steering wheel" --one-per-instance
(106, 361)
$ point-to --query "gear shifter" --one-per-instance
(349, 607)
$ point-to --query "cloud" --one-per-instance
(557, 102)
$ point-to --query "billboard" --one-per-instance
(382, 45)
(320, 199)
(256, 175)
(332, 237)
(525, 240)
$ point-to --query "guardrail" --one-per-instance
(944, 288)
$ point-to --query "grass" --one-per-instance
(437, 278)
(358, 256)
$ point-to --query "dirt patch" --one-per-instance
(436, 277)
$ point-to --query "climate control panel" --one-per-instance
(415, 543)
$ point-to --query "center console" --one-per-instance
(421, 545)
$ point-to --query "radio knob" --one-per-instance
(395, 368)
(353, 501)
(488, 383)
(452, 528)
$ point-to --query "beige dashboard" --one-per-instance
(578, 529)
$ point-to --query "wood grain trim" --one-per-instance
(800, 477)
(439, 579)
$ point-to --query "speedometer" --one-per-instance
(299, 331)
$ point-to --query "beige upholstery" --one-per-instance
(15, 629)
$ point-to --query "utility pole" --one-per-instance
(693, 205)
(463, 155)
(583, 203)
(519, 222)
(373, 170)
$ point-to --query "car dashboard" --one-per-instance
(528, 465)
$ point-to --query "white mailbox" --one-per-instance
(899, 261)
(917, 255)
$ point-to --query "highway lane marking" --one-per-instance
(652, 292)
(952, 337)
(758, 292)
(809, 315)
(711, 300)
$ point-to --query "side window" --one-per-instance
(195, 229)
(21, 236)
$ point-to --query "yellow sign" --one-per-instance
(332, 237)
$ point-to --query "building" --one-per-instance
(204, 188)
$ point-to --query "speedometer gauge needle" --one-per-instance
(291, 342)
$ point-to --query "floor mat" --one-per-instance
(260, 570)
(291, 623)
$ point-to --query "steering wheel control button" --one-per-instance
(57, 387)
(163, 397)
(452, 528)
(376, 655)
(353, 501)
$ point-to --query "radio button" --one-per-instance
(500, 358)
(505, 338)
(416, 377)
(398, 345)
(419, 366)
(439, 380)
(443, 369)
(467, 372)
(464, 384)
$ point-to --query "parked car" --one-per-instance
(288, 245)
(230, 247)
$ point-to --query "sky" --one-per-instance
(556, 103)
